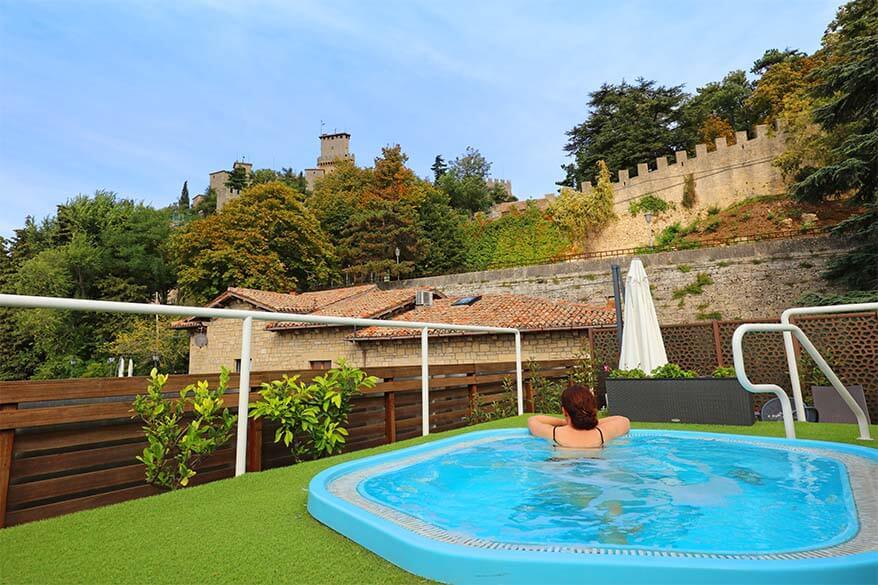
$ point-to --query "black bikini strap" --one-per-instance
(602, 435)
(555, 428)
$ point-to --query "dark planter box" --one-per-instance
(720, 401)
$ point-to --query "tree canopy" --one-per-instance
(266, 238)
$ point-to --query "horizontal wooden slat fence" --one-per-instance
(68, 445)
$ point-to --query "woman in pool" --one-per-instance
(580, 427)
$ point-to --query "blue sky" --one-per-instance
(137, 97)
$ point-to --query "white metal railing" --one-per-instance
(35, 302)
(790, 350)
(792, 331)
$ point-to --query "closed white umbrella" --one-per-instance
(642, 345)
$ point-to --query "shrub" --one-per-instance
(712, 226)
(505, 407)
(546, 393)
(713, 210)
(695, 287)
(312, 418)
(724, 372)
(635, 373)
(689, 196)
(671, 370)
(176, 442)
(709, 316)
(648, 202)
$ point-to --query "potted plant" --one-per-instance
(671, 393)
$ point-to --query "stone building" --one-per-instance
(333, 148)
(550, 329)
(218, 181)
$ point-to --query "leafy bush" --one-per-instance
(724, 372)
(177, 443)
(713, 210)
(671, 370)
(648, 202)
(689, 196)
(312, 418)
(635, 373)
(546, 393)
(505, 407)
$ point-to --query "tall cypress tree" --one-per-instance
(183, 203)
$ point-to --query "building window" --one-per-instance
(321, 364)
(238, 365)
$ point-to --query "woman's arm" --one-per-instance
(542, 426)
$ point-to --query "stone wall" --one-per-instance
(295, 350)
(723, 176)
(726, 175)
(749, 281)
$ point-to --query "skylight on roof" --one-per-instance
(466, 301)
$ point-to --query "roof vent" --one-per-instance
(424, 298)
(466, 301)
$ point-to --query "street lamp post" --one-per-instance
(648, 217)
(396, 251)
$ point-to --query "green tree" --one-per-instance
(466, 182)
(99, 247)
(337, 196)
(626, 124)
(287, 176)
(266, 238)
(845, 88)
(439, 168)
(151, 343)
(375, 230)
(207, 204)
(727, 100)
(442, 235)
(239, 179)
(183, 202)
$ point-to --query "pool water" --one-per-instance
(648, 490)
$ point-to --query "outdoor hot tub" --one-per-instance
(656, 506)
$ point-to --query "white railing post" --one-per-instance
(425, 382)
(793, 368)
(519, 386)
(243, 397)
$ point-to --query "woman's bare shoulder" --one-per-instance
(615, 425)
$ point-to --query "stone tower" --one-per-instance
(218, 184)
(333, 148)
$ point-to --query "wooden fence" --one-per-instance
(68, 445)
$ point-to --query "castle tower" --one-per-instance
(333, 148)
(218, 184)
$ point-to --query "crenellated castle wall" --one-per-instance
(723, 176)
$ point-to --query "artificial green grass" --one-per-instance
(249, 529)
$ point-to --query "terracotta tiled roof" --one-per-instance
(522, 312)
(280, 302)
(365, 302)
(370, 304)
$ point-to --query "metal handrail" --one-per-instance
(792, 330)
(790, 350)
(247, 317)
